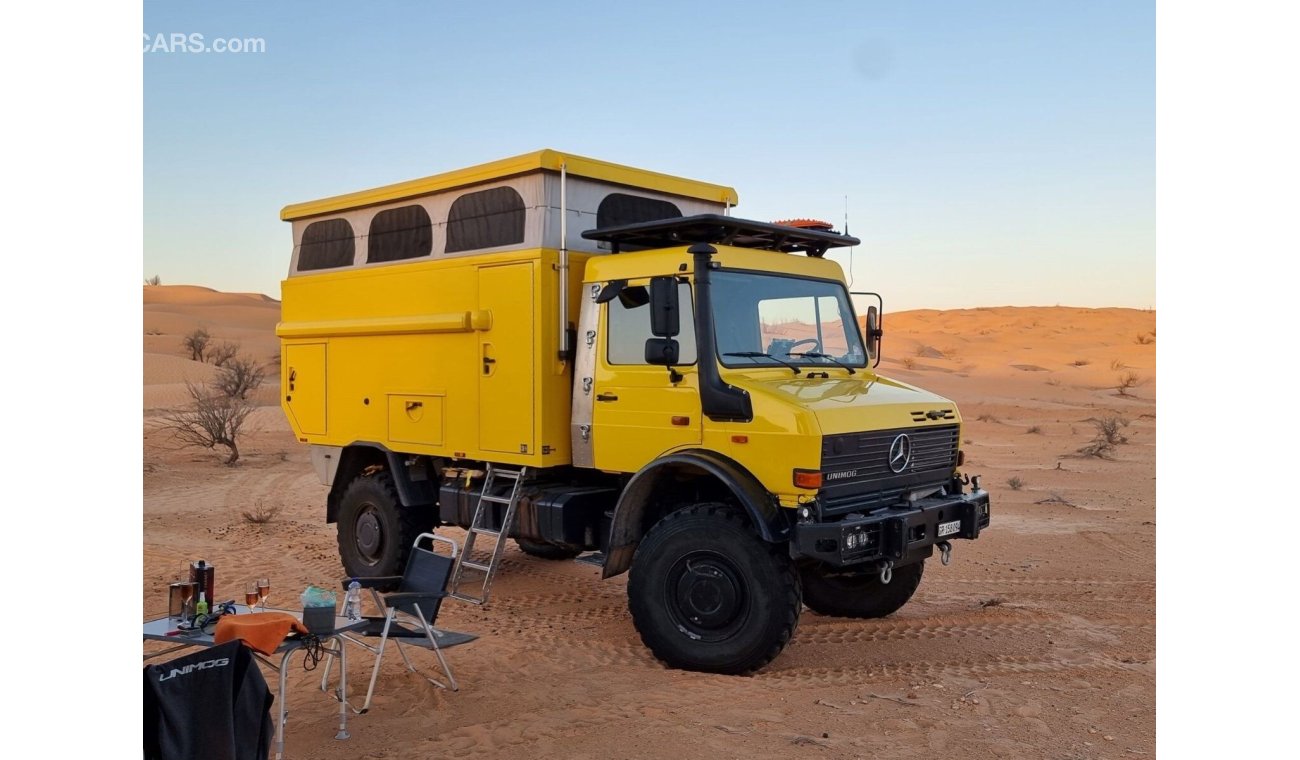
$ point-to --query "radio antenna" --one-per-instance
(846, 231)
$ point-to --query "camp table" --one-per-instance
(157, 629)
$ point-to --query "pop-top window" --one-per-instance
(326, 245)
(485, 219)
(618, 209)
(400, 233)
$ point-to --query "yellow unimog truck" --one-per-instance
(587, 357)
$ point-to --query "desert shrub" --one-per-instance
(909, 362)
(261, 513)
(1109, 434)
(1111, 429)
(197, 343)
(988, 418)
(1080, 362)
(1117, 365)
(221, 353)
(1033, 430)
(1146, 339)
(239, 377)
(1126, 381)
(1015, 484)
(211, 419)
(155, 280)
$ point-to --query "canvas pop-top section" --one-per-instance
(514, 204)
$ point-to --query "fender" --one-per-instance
(412, 489)
(626, 530)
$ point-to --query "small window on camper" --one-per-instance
(400, 233)
(485, 219)
(629, 326)
(618, 209)
(326, 245)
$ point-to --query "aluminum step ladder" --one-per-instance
(483, 574)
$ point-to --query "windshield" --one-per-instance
(760, 318)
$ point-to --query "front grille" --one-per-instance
(856, 475)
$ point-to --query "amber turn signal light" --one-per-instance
(808, 479)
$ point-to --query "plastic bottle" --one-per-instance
(352, 601)
(201, 608)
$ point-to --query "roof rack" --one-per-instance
(724, 230)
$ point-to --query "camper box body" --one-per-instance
(444, 344)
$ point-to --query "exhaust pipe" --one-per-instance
(563, 268)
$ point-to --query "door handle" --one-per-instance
(606, 397)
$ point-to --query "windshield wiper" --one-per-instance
(756, 354)
(827, 357)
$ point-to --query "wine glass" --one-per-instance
(264, 590)
(251, 595)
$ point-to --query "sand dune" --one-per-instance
(1038, 641)
(197, 295)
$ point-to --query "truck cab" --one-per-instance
(692, 395)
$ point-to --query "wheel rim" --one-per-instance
(706, 596)
(369, 535)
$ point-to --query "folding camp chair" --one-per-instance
(408, 613)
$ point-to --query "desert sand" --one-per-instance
(1037, 642)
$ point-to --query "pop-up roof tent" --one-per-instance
(511, 204)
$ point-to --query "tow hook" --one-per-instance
(886, 571)
(945, 553)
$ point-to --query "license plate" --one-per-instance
(949, 528)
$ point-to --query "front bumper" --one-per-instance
(903, 534)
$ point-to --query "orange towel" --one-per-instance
(260, 631)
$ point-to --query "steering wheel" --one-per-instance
(817, 345)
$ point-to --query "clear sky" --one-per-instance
(992, 152)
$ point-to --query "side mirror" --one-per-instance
(874, 333)
(661, 351)
(665, 312)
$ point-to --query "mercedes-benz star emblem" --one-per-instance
(900, 453)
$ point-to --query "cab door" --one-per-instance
(638, 413)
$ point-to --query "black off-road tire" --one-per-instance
(707, 593)
(375, 531)
(546, 551)
(858, 595)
